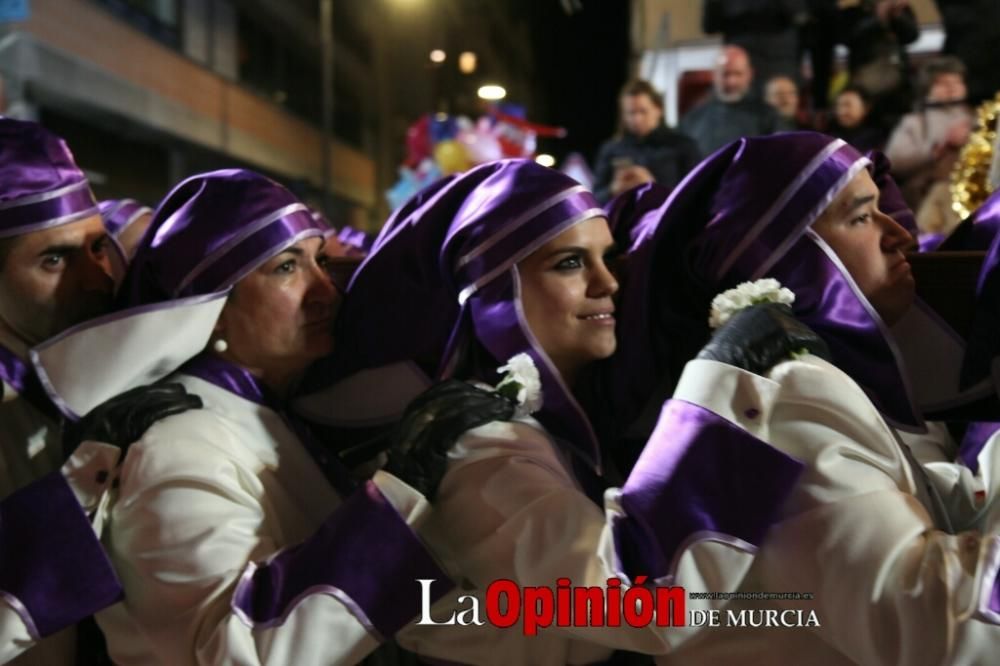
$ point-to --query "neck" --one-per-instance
(278, 381)
(14, 342)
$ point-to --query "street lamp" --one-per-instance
(491, 92)
(438, 56)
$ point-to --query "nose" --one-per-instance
(603, 282)
(321, 292)
(95, 274)
(894, 236)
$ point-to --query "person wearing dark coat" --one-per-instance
(731, 112)
(645, 150)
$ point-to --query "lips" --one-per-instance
(599, 317)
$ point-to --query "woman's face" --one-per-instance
(850, 109)
(279, 318)
(640, 114)
(871, 245)
(566, 292)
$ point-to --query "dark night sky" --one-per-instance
(581, 64)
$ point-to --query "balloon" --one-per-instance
(450, 155)
(481, 144)
(418, 142)
(443, 127)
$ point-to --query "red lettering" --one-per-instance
(494, 613)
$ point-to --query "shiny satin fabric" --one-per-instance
(442, 275)
(42, 186)
(744, 214)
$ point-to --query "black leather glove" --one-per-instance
(123, 419)
(759, 337)
(432, 424)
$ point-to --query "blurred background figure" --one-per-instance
(731, 111)
(876, 33)
(782, 94)
(972, 31)
(644, 149)
(924, 146)
(850, 120)
(767, 29)
(818, 37)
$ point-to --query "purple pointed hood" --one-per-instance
(42, 186)
(208, 233)
(743, 214)
(443, 274)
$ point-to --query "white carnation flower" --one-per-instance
(728, 303)
(522, 383)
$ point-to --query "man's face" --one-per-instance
(732, 76)
(54, 278)
(871, 245)
(640, 115)
(783, 95)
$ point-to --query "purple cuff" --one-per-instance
(976, 436)
(364, 555)
(53, 570)
(699, 477)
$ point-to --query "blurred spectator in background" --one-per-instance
(850, 120)
(876, 33)
(645, 149)
(818, 37)
(767, 29)
(924, 146)
(972, 32)
(730, 112)
(782, 94)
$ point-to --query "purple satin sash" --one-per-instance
(22, 378)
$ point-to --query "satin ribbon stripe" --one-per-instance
(364, 554)
(72, 203)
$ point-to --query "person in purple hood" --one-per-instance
(894, 546)
(53, 274)
(500, 276)
(238, 538)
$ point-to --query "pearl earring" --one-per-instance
(220, 346)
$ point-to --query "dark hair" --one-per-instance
(640, 87)
(866, 99)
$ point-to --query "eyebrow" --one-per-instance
(59, 248)
(576, 249)
(857, 202)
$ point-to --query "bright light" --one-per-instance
(438, 56)
(491, 92)
(467, 62)
(545, 160)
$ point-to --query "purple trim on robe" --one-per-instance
(974, 440)
(983, 344)
(364, 551)
(502, 329)
(22, 378)
(230, 377)
(700, 476)
(827, 301)
(50, 559)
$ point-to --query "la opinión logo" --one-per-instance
(507, 603)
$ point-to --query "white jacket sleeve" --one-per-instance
(890, 586)
(509, 508)
(206, 581)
